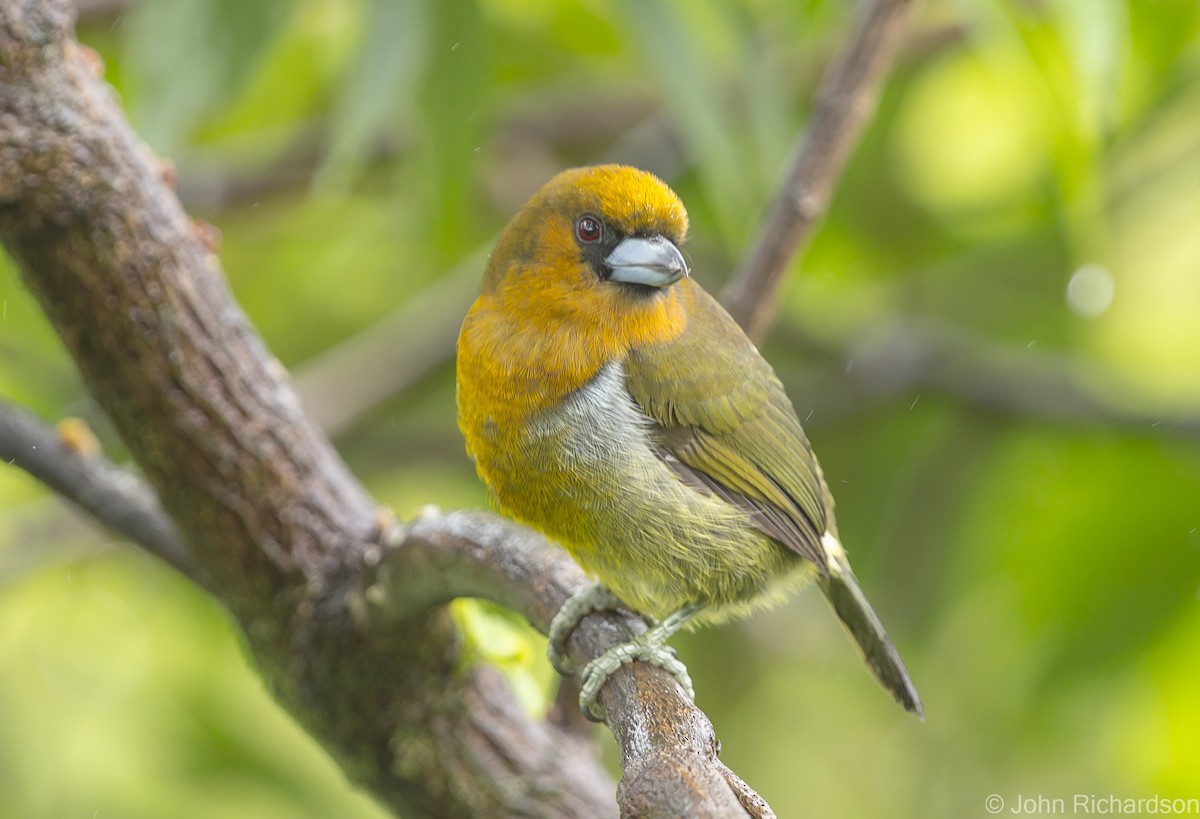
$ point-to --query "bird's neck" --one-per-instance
(537, 352)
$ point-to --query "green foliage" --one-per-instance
(1038, 572)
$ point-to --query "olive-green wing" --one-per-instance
(727, 427)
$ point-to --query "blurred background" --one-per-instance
(994, 339)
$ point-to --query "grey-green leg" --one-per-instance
(649, 647)
(579, 605)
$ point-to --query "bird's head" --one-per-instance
(596, 249)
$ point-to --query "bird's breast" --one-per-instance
(587, 473)
(567, 468)
(582, 454)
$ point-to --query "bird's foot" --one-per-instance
(649, 647)
(597, 672)
(579, 605)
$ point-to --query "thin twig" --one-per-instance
(114, 497)
(845, 102)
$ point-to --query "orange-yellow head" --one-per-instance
(582, 273)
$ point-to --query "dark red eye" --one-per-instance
(588, 229)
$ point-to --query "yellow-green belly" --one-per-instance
(587, 476)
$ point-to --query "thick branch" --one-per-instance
(845, 102)
(138, 298)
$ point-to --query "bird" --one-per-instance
(611, 403)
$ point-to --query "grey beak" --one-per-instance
(652, 261)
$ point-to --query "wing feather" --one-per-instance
(728, 428)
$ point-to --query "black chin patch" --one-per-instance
(639, 291)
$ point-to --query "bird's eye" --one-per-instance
(588, 229)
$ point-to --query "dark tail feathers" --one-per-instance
(841, 587)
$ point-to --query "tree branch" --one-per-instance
(114, 497)
(845, 103)
(276, 526)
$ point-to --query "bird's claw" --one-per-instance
(649, 647)
(579, 605)
(597, 672)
